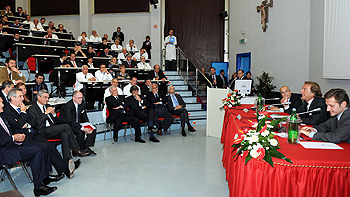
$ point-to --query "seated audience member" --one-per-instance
(118, 35)
(158, 74)
(147, 87)
(24, 123)
(240, 76)
(104, 44)
(129, 63)
(122, 56)
(74, 114)
(103, 74)
(20, 12)
(61, 29)
(83, 35)
(90, 62)
(118, 114)
(83, 43)
(222, 80)
(52, 26)
(91, 52)
(47, 126)
(13, 150)
(114, 83)
(42, 22)
(131, 46)
(158, 102)
(122, 74)
(16, 24)
(83, 76)
(6, 11)
(292, 100)
(4, 21)
(78, 51)
(233, 77)
(1, 29)
(26, 100)
(10, 72)
(113, 64)
(116, 45)
(28, 20)
(95, 37)
(72, 61)
(133, 82)
(106, 53)
(6, 87)
(143, 64)
(106, 36)
(39, 84)
(9, 44)
(139, 108)
(50, 35)
(36, 26)
(249, 77)
(177, 107)
(67, 77)
(337, 128)
(147, 46)
(142, 53)
(312, 97)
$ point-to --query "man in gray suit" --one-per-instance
(337, 128)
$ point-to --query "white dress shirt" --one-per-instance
(86, 38)
(138, 55)
(134, 48)
(54, 36)
(144, 65)
(115, 47)
(126, 90)
(95, 39)
(39, 27)
(108, 93)
(103, 76)
(81, 78)
(121, 57)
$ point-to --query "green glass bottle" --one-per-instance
(293, 131)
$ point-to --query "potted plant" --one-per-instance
(264, 85)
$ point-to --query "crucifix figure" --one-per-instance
(264, 9)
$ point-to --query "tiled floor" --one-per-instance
(177, 166)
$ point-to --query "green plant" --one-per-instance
(264, 85)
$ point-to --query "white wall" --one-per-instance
(283, 50)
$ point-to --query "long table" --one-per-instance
(314, 172)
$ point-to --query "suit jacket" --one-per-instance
(37, 87)
(78, 64)
(218, 81)
(121, 36)
(40, 117)
(4, 75)
(4, 100)
(222, 83)
(316, 117)
(8, 149)
(16, 121)
(152, 99)
(330, 132)
(134, 106)
(68, 115)
(58, 63)
(102, 54)
(171, 106)
(151, 75)
(111, 103)
(132, 63)
(145, 90)
(295, 102)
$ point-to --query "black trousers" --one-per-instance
(183, 113)
(63, 132)
(38, 155)
(55, 157)
(170, 65)
(83, 142)
(162, 112)
(133, 121)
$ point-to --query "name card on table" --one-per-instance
(320, 145)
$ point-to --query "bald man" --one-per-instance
(294, 100)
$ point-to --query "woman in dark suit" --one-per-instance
(147, 46)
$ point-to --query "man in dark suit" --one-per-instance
(20, 13)
(67, 77)
(146, 88)
(106, 53)
(139, 107)
(15, 146)
(72, 61)
(213, 78)
(222, 80)
(118, 35)
(22, 122)
(39, 84)
(240, 76)
(158, 74)
(294, 100)
(177, 107)
(312, 96)
(129, 63)
(74, 113)
(158, 102)
(337, 128)
(47, 126)
(6, 86)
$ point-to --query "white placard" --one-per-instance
(320, 145)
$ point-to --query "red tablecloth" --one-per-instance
(313, 172)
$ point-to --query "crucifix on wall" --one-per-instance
(264, 11)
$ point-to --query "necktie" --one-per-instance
(77, 115)
(2, 123)
(19, 110)
(176, 103)
(129, 64)
(85, 77)
(157, 96)
(213, 77)
(10, 76)
(74, 64)
(49, 118)
(117, 98)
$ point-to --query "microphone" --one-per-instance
(310, 112)
(287, 103)
(272, 99)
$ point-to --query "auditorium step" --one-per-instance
(174, 77)
(169, 73)
(180, 87)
